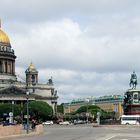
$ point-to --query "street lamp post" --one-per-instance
(98, 117)
(69, 108)
(27, 93)
(87, 114)
(13, 110)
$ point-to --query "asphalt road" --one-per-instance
(87, 132)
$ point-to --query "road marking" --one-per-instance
(110, 137)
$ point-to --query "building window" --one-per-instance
(135, 96)
(33, 79)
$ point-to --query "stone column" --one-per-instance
(9, 67)
(6, 66)
(0, 66)
(55, 108)
(37, 78)
(14, 67)
(3, 66)
(29, 79)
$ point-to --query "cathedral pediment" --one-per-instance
(12, 91)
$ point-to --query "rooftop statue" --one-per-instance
(133, 80)
(50, 81)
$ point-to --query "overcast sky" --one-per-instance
(89, 47)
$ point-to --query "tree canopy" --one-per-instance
(93, 109)
(7, 107)
(40, 110)
(60, 108)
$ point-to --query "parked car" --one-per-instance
(59, 120)
(48, 123)
(64, 123)
(79, 122)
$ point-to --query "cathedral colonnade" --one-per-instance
(7, 66)
(7, 58)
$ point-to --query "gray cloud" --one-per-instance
(36, 10)
(89, 47)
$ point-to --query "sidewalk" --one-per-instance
(23, 134)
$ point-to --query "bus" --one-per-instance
(130, 119)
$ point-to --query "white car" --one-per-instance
(64, 123)
(48, 123)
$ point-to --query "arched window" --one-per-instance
(33, 79)
(135, 96)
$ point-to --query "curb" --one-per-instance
(122, 126)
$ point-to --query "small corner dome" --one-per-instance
(31, 68)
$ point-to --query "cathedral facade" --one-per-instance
(12, 90)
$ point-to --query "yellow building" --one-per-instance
(112, 103)
(73, 106)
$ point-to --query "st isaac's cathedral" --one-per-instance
(12, 90)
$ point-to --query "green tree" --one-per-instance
(89, 108)
(7, 107)
(60, 108)
(39, 110)
(93, 109)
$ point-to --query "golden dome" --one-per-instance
(31, 68)
(4, 38)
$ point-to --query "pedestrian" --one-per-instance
(33, 124)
